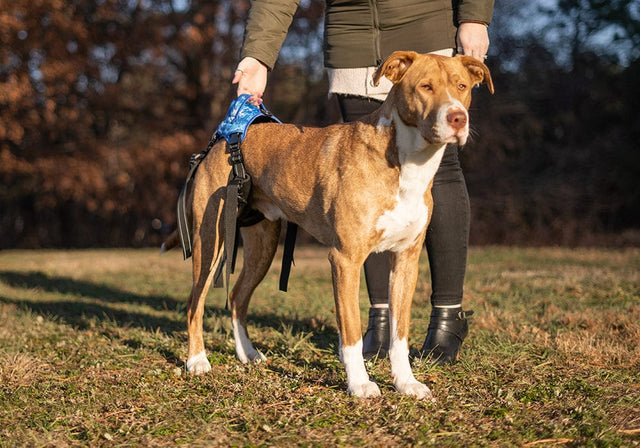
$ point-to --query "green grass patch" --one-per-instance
(93, 345)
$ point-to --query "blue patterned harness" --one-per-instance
(240, 115)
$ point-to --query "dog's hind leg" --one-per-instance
(260, 242)
(208, 238)
(404, 274)
(346, 284)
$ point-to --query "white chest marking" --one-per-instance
(419, 162)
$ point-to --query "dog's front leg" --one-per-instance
(404, 274)
(346, 283)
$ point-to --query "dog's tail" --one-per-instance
(172, 241)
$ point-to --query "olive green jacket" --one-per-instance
(361, 33)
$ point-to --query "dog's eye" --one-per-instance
(427, 87)
(462, 87)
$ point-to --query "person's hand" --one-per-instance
(251, 77)
(473, 40)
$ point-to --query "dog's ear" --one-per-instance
(395, 66)
(479, 72)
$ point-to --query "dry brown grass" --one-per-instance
(92, 347)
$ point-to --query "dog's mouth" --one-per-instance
(447, 135)
(460, 139)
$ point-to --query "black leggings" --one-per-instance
(448, 233)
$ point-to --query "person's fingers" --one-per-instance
(256, 100)
(237, 76)
(473, 40)
(251, 77)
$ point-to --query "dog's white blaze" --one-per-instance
(419, 162)
(244, 348)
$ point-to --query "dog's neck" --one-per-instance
(412, 148)
(419, 160)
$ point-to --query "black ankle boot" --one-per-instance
(376, 339)
(447, 329)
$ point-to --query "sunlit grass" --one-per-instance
(92, 348)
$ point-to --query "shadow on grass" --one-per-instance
(101, 304)
(79, 314)
(66, 285)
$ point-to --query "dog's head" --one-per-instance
(432, 93)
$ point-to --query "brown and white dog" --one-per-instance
(357, 187)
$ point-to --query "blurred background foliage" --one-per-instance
(102, 103)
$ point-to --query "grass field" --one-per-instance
(93, 344)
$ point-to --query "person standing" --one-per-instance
(358, 36)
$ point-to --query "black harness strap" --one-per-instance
(238, 189)
(183, 225)
(287, 254)
(230, 229)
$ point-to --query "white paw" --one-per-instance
(245, 351)
(365, 390)
(415, 389)
(252, 355)
(198, 364)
